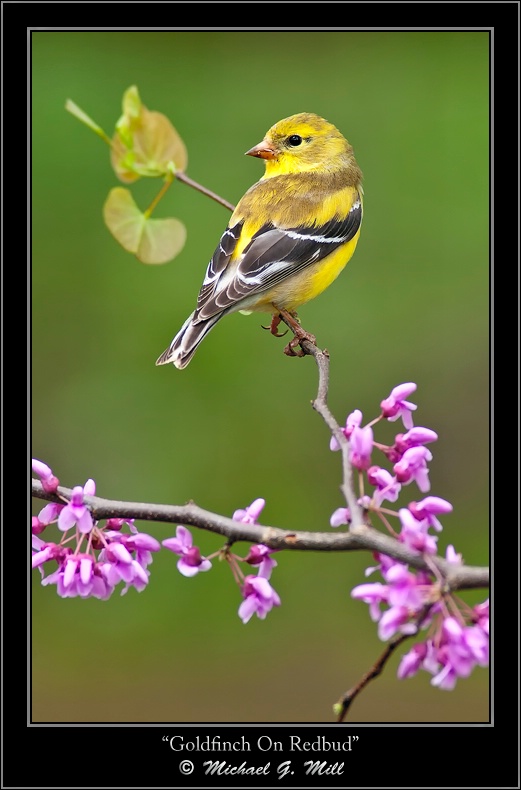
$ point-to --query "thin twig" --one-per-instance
(320, 406)
(191, 183)
(345, 701)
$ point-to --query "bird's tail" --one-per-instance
(185, 343)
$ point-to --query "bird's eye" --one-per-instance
(295, 139)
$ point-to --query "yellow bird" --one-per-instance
(290, 235)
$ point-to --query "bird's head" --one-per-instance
(301, 143)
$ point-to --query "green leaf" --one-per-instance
(78, 113)
(151, 240)
(145, 143)
(132, 108)
(132, 104)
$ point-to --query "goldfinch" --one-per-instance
(290, 235)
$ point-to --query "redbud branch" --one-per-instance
(345, 701)
(361, 538)
(320, 406)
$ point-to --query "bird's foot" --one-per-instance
(275, 321)
(292, 320)
(291, 349)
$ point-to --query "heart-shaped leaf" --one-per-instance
(145, 143)
(151, 240)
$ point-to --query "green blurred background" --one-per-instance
(237, 424)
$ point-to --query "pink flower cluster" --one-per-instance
(102, 556)
(453, 652)
(259, 596)
(410, 601)
(458, 637)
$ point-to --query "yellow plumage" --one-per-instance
(290, 235)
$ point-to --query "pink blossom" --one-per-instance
(76, 512)
(44, 552)
(412, 661)
(414, 533)
(387, 486)
(396, 406)
(69, 582)
(403, 588)
(117, 564)
(142, 544)
(354, 420)
(372, 594)
(50, 483)
(395, 620)
(428, 508)
(461, 648)
(481, 610)
(118, 523)
(413, 466)
(340, 516)
(47, 515)
(414, 438)
(260, 555)
(446, 678)
(191, 561)
(251, 513)
(259, 598)
(361, 447)
(451, 556)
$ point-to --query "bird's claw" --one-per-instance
(291, 349)
(293, 321)
(275, 321)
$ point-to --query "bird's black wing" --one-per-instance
(218, 263)
(273, 255)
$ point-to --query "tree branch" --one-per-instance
(361, 538)
(308, 345)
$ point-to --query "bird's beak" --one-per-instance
(263, 150)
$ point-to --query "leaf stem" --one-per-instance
(191, 183)
(168, 183)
